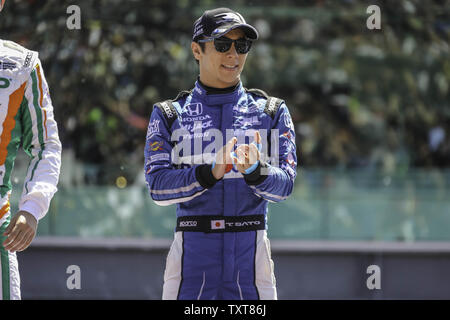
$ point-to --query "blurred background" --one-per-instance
(371, 110)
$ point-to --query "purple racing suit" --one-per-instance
(220, 248)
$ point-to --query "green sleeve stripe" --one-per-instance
(34, 169)
(27, 127)
(39, 125)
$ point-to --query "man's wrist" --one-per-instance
(256, 177)
(32, 208)
(205, 177)
(252, 168)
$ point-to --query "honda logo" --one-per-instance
(194, 109)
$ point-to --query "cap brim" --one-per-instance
(249, 30)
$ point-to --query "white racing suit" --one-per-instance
(26, 118)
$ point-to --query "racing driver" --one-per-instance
(26, 118)
(220, 152)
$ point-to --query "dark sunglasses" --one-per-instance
(223, 44)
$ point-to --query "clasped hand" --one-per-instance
(20, 231)
(244, 157)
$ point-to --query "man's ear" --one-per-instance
(196, 50)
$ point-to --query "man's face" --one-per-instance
(220, 69)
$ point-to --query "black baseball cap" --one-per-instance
(217, 22)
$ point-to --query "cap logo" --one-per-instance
(218, 30)
(229, 17)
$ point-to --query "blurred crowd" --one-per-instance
(359, 98)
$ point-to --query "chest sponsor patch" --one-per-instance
(246, 108)
(241, 121)
(193, 119)
(5, 65)
(198, 125)
(156, 145)
(159, 157)
(194, 109)
(153, 127)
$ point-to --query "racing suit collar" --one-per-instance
(200, 93)
(212, 90)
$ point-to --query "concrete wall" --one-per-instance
(133, 269)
